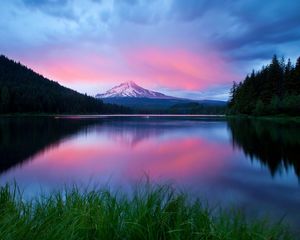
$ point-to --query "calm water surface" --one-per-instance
(254, 165)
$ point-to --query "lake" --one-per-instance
(250, 164)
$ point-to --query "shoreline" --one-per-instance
(274, 118)
(112, 115)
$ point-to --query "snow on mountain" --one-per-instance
(131, 89)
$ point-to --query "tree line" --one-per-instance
(196, 108)
(275, 89)
(24, 91)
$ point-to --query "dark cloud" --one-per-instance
(259, 53)
(193, 9)
(139, 11)
(266, 32)
(243, 32)
(260, 28)
(57, 8)
(229, 25)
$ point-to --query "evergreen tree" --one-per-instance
(296, 77)
(24, 91)
(275, 89)
(289, 83)
(233, 91)
(274, 81)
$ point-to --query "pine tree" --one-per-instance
(275, 80)
(296, 77)
(288, 83)
(272, 90)
(233, 93)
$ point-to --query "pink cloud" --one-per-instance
(153, 67)
(180, 68)
(66, 67)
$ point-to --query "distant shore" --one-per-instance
(110, 115)
(276, 118)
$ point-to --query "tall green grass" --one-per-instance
(151, 212)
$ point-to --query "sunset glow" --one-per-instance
(187, 49)
(155, 119)
(113, 155)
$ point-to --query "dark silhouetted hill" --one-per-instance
(24, 91)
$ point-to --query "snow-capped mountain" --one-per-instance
(131, 89)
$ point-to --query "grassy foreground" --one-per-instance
(152, 212)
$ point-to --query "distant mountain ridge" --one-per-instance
(131, 95)
(131, 89)
(24, 91)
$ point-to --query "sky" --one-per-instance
(184, 48)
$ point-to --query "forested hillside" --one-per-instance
(197, 108)
(24, 91)
(275, 89)
(169, 106)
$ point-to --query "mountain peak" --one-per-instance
(129, 84)
(131, 89)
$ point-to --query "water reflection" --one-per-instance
(21, 138)
(275, 145)
(196, 154)
(158, 146)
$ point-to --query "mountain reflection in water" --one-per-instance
(251, 164)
